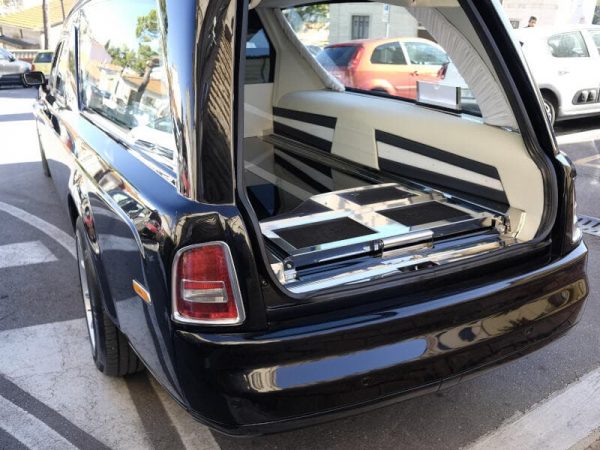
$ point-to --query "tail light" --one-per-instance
(353, 65)
(205, 288)
(442, 72)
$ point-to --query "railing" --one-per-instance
(25, 55)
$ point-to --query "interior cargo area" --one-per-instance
(348, 186)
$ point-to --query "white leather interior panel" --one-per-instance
(315, 130)
(415, 160)
(360, 115)
(258, 116)
(292, 73)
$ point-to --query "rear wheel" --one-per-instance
(110, 348)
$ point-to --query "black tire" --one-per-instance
(550, 107)
(111, 351)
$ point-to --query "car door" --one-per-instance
(425, 62)
(387, 70)
(4, 62)
(571, 69)
(124, 92)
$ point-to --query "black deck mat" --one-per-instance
(423, 213)
(323, 232)
(376, 195)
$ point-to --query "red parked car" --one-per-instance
(388, 65)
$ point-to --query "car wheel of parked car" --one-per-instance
(110, 348)
(550, 108)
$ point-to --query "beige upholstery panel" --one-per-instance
(359, 115)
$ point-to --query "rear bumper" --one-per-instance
(277, 380)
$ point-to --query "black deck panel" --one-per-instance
(424, 213)
(370, 196)
(304, 236)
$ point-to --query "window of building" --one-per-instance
(568, 45)
(360, 27)
(123, 78)
(391, 53)
(259, 52)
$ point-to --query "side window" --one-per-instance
(388, 54)
(425, 54)
(4, 55)
(259, 52)
(64, 80)
(568, 45)
(123, 77)
(596, 39)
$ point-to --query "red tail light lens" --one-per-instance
(205, 289)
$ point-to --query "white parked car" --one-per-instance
(565, 63)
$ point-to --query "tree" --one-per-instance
(145, 58)
(45, 20)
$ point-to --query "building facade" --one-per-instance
(350, 21)
(550, 12)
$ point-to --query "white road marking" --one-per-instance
(27, 429)
(24, 254)
(558, 423)
(575, 138)
(53, 363)
(591, 161)
(48, 229)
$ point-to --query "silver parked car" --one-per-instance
(11, 68)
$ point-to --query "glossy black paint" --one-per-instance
(292, 362)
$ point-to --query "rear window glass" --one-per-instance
(43, 58)
(259, 53)
(388, 56)
(339, 56)
(123, 78)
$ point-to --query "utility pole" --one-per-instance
(46, 27)
(62, 7)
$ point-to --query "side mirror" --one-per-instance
(32, 79)
(11, 58)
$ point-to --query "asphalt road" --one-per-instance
(51, 396)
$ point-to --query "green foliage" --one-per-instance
(140, 58)
(147, 27)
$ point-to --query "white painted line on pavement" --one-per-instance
(558, 423)
(52, 362)
(24, 254)
(30, 431)
(575, 138)
(48, 229)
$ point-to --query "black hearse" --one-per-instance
(279, 248)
